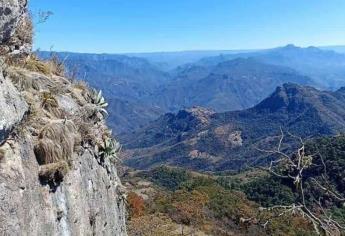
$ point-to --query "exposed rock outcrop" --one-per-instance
(15, 27)
(12, 106)
(57, 156)
(55, 179)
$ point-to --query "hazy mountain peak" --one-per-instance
(290, 46)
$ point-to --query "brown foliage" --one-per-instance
(152, 225)
(189, 207)
(136, 204)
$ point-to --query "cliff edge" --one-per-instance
(57, 157)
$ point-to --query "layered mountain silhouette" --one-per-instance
(203, 140)
(139, 90)
(325, 67)
(231, 85)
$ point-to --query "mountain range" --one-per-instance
(139, 89)
(200, 139)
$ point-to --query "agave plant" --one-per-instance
(100, 103)
(109, 148)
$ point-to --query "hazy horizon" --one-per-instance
(327, 47)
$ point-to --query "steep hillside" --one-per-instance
(230, 140)
(57, 156)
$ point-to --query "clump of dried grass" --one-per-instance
(49, 171)
(53, 174)
(23, 82)
(32, 63)
(81, 84)
(53, 66)
(56, 142)
(81, 92)
(87, 133)
(50, 104)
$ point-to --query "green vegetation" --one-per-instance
(109, 148)
(100, 103)
(254, 202)
(200, 203)
(269, 191)
(170, 178)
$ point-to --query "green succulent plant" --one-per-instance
(100, 103)
(109, 148)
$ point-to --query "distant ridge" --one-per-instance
(227, 141)
(140, 90)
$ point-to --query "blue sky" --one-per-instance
(118, 26)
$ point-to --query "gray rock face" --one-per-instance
(80, 193)
(12, 106)
(13, 13)
(87, 202)
(87, 199)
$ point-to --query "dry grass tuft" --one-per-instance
(53, 174)
(23, 82)
(32, 63)
(53, 66)
(81, 84)
(48, 171)
(81, 91)
(56, 142)
(57, 66)
(50, 104)
(87, 134)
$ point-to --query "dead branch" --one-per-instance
(293, 167)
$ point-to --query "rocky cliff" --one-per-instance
(57, 156)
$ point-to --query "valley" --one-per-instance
(139, 90)
(137, 119)
(199, 139)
